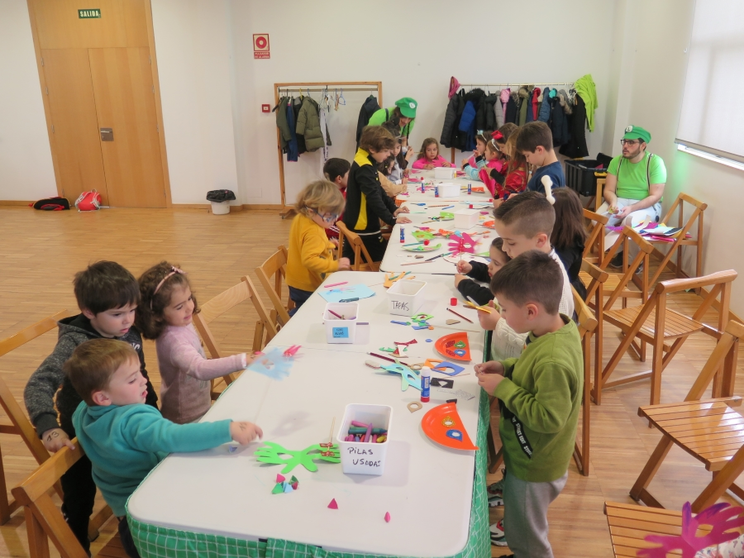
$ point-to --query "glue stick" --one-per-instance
(436, 190)
(470, 188)
(402, 235)
(425, 384)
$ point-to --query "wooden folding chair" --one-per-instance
(594, 244)
(19, 422)
(220, 304)
(595, 285)
(360, 250)
(44, 520)
(587, 325)
(630, 524)
(680, 239)
(276, 266)
(709, 430)
(666, 329)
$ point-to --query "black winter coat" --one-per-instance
(450, 122)
(576, 147)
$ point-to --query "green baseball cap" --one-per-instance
(407, 107)
(636, 132)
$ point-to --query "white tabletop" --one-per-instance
(426, 488)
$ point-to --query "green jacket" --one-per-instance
(585, 88)
(540, 399)
(308, 124)
(383, 115)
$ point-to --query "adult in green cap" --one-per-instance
(402, 115)
(635, 185)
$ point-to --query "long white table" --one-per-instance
(217, 502)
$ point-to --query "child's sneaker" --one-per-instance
(496, 494)
(497, 534)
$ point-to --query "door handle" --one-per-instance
(107, 134)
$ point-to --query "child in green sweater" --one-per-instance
(539, 396)
(124, 438)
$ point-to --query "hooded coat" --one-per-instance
(308, 125)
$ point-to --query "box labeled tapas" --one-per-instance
(341, 321)
(363, 438)
(466, 218)
(406, 297)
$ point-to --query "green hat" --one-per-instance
(407, 107)
(636, 132)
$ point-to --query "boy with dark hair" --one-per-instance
(366, 201)
(123, 437)
(337, 171)
(107, 295)
(535, 142)
(539, 396)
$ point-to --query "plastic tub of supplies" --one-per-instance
(340, 321)
(364, 458)
(406, 297)
(444, 173)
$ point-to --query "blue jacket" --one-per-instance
(125, 443)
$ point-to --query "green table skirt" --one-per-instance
(159, 542)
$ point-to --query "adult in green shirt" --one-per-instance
(635, 184)
(402, 114)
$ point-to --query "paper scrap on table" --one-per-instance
(345, 292)
(272, 364)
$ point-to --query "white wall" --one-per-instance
(26, 171)
(654, 100)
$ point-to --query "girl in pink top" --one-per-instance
(165, 315)
(429, 156)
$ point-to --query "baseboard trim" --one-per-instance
(21, 203)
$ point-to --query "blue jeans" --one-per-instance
(299, 297)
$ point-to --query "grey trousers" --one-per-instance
(526, 515)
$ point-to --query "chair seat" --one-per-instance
(629, 524)
(677, 325)
(710, 431)
(113, 549)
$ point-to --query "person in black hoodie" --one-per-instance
(107, 295)
(480, 272)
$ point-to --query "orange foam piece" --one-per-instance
(445, 346)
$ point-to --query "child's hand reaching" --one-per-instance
(447, 164)
(402, 209)
(463, 267)
(402, 220)
(245, 432)
(429, 166)
(55, 439)
(344, 263)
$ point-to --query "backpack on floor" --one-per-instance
(89, 201)
(51, 204)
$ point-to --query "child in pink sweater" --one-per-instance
(429, 156)
(165, 314)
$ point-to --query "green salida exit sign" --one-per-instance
(95, 13)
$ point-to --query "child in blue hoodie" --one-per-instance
(124, 438)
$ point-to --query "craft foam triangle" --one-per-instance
(333, 505)
(454, 346)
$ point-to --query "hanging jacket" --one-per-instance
(558, 123)
(576, 147)
(308, 125)
(504, 96)
(533, 108)
(489, 101)
(467, 125)
(450, 116)
(544, 112)
(293, 153)
(585, 87)
(512, 108)
(281, 122)
(524, 103)
(498, 111)
(296, 106)
(369, 107)
(460, 138)
(478, 97)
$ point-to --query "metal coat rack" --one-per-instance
(305, 86)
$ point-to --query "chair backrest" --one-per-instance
(44, 520)
(596, 288)
(645, 248)
(276, 266)
(679, 206)
(725, 352)
(19, 423)
(360, 250)
(596, 224)
(223, 302)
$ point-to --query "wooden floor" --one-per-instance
(40, 252)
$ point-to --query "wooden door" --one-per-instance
(75, 139)
(100, 73)
(123, 89)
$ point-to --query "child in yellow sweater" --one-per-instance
(310, 256)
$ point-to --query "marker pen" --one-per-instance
(425, 384)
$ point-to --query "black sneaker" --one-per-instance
(497, 533)
(617, 261)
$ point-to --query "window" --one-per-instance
(712, 118)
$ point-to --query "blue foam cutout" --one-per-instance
(272, 364)
(454, 434)
(443, 368)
